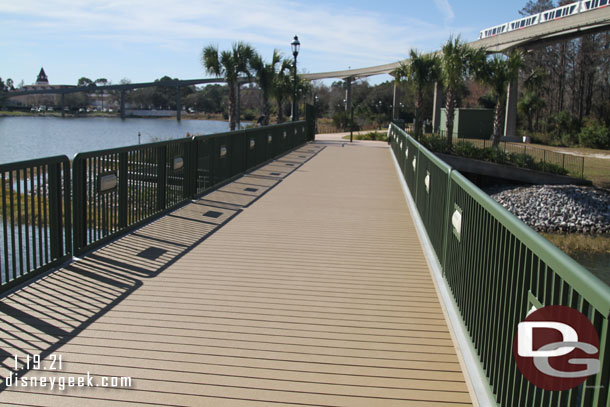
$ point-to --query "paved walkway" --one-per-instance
(301, 284)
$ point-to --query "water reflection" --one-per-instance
(24, 138)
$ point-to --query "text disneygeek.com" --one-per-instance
(54, 363)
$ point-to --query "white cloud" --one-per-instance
(445, 8)
(331, 37)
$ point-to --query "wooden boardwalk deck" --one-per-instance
(301, 284)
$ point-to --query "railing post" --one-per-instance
(446, 229)
(161, 176)
(79, 189)
(67, 206)
(194, 150)
(55, 223)
(123, 175)
(187, 169)
(544, 160)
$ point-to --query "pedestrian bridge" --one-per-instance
(330, 275)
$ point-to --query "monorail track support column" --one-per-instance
(178, 103)
(510, 122)
(123, 103)
(396, 102)
(436, 110)
(348, 94)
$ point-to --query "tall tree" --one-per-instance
(282, 87)
(535, 7)
(83, 81)
(530, 103)
(497, 72)
(457, 62)
(265, 74)
(422, 70)
(229, 65)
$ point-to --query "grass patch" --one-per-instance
(597, 170)
(5, 113)
(371, 136)
(592, 252)
(578, 243)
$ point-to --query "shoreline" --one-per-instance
(184, 116)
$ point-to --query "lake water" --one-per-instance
(24, 138)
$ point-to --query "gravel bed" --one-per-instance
(557, 208)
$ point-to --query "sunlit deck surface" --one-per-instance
(302, 283)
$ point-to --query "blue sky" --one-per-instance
(143, 40)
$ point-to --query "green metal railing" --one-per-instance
(497, 268)
(149, 179)
(49, 211)
(35, 220)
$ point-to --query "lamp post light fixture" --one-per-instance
(296, 46)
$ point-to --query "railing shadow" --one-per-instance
(44, 315)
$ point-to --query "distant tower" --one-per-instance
(42, 78)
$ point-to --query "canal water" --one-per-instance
(24, 138)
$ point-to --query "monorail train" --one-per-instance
(549, 15)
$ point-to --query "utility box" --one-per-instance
(470, 123)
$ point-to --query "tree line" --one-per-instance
(564, 88)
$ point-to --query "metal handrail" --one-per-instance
(497, 268)
(146, 180)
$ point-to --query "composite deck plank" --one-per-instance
(300, 284)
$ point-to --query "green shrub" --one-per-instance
(468, 150)
(539, 138)
(249, 115)
(552, 168)
(373, 135)
(594, 135)
(563, 128)
(435, 143)
(495, 155)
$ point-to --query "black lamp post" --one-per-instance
(295, 45)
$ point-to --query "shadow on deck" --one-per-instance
(320, 295)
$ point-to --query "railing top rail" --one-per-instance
(429, 155)
(595, 291)
(32, 163)
(116, 150)
(276, 125)
(215, 135)
(251, 129)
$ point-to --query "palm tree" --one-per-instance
(265, 75)
(282, 87)
(422, 70)
(531, 103)
(498, 72)
(457, 62)
(229, 65)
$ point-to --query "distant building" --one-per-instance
(42, 83)
(42, 78)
